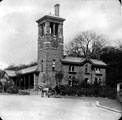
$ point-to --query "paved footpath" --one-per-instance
(112, 104)
(14, 107)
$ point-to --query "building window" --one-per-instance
(96, 81)
(97, 70)
(86, 68)
(71, 68)
(53, 28)
(56, 29)
(99, 81)
(86, 80)
(70, 81)
(42, 29)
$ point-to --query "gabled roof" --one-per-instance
(50, 17)
(29, 69)
(10, 73)
(81, 60)
(1, 74)
(74, 60)
(98, 62)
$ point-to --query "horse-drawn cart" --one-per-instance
(47, 90)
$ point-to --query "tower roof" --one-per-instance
(50, 17)
(54, 17)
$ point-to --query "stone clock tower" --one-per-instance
(50, 46)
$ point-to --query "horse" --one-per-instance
(44, 90)
(48, 91)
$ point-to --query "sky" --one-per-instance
(19, 31)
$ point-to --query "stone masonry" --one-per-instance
(50, 46)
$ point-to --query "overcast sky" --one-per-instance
(18, 29)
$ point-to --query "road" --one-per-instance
(15, 107)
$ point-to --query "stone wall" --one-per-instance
(50, 50)
(80, 73)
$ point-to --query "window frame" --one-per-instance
(71, 68)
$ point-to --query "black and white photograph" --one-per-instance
(60, 60)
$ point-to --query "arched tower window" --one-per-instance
(53, 28)
(42, 29)
(71, 68)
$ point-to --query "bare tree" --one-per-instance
(86, 44)
(119, 43)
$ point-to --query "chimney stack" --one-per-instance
(57, 8)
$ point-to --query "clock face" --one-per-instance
(54, 43)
